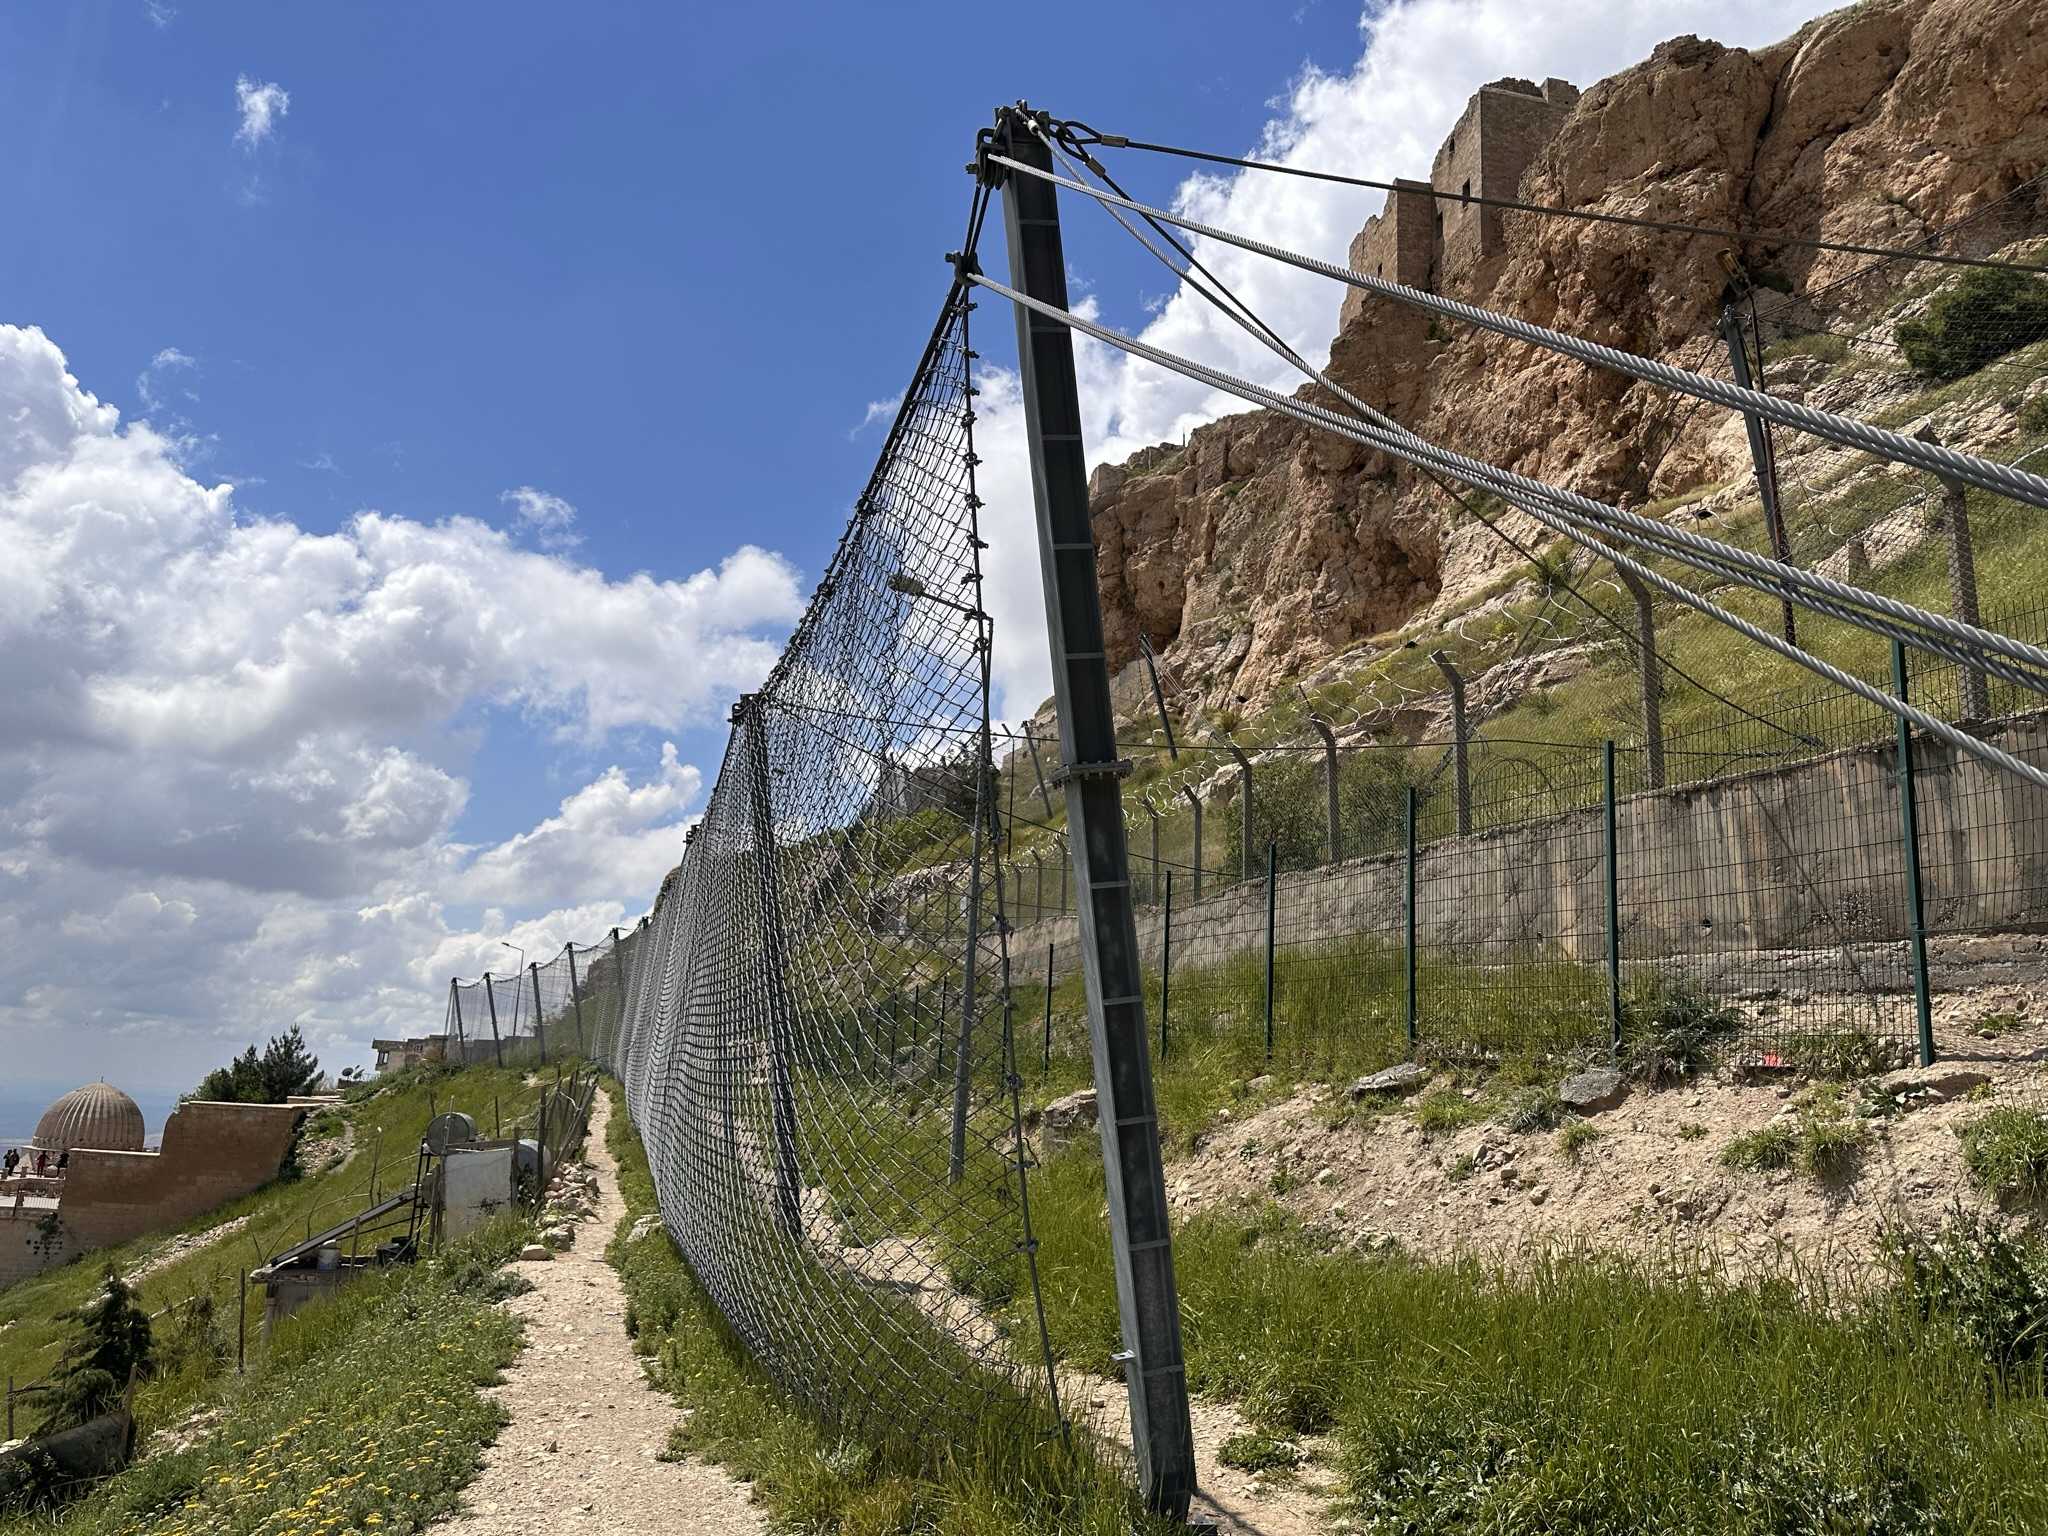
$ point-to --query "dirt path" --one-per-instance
(586, 1428)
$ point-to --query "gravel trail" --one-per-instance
(579, 1454)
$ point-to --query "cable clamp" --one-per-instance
(1120, 768)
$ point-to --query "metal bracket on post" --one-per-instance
(774, 964)
(1909, 839)
(1973, 693)
(1323, 729)
(1760, 455)
(1195, 801)
(1162, 1436)
(1649, 674)
(1461, 763)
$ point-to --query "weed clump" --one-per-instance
(2006, 1153)
(1831, 1137)
(1843, 1055)
(1762, 1151)
(1980, 1279)
(1444, 1110)
(1575, 1138)
(1256, 1451)
(1671, 1029)
(1535, 1109)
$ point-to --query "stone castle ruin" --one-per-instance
(1433, 242)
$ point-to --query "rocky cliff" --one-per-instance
(1260, 549)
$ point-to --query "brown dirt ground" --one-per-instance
(580, 1453)
(1641, 1187)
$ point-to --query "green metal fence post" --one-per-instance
(1165, 964)
(1613, 867)
(1272, 883)
(1909, 837)
(1045, 1068)
(1408, 905)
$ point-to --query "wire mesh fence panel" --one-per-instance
(814, 1035)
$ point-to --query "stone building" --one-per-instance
(1434, 242)
(112, 1190)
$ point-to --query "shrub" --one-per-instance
(1974, 1273)
(1691, 1130)
(1291, 1404)
(1762, 1151)
(2006, 1153)
(1989, 312)
(2034, 415)
(1671, 1028)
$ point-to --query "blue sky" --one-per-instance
(417, 423)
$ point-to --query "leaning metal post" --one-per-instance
(1195, 800)
(1322, 729)
(1244, 775)
(1162, 1437)
(1038, 768)
(1973, 695)
(1909, 838)
(491, 997)
(1649, 674)
(1166, 966)
(576, 1000)
(539, 1028)
(455, 1006)
(1760, 454)
(1158, 696)
(751, 713)
(1408, 946)
(1461, 763)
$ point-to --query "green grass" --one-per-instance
(1573, 1140)
(1254, 1450)
(366, 1414)
(1826, 1139)
(811, 1477)
(1442, 1111)
(1762, 1151)
(2006, 1153)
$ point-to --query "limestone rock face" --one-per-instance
(1261, 548)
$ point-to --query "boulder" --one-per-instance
(535, 1252)
(559, 1238)
(1404, 1078)
(642, 1227)
(1589, 1092)
(1933, 1083)
(1065, 1118)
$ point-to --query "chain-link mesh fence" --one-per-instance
(816, 1047)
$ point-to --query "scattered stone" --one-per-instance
(559, 1238)
(1587, 1093)
(1260, 1084)
(1783, 1092)
(1326, 1176)
(1539, 1194)
(1932, 1083)
(534, 1252)
(1396, 1079)
(642, 1227)
(1065, 1118)
(1339, 1210)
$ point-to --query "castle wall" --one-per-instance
(211, 1154)
(1398, 243)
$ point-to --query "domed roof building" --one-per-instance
(98, 1115)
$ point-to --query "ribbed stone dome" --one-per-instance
(98, 1115)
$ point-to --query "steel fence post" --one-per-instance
(576, 999)
(1649, 675)
(1408, 947)
(1195, 801)
(1612, 863)
(539, 1028)
(1973, 694)
(1162, 1435)
(1244, 827)
(1272, 905)
(1909, 841)
(1322, 729)
(750, 714)
(1760, 454)
(1166, 966)
(491, 997)
(1045, 1064)
(1461, 762)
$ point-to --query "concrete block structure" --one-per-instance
(1437, 242)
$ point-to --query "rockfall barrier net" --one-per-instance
(814, 1043)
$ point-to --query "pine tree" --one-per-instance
(112, 1342)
